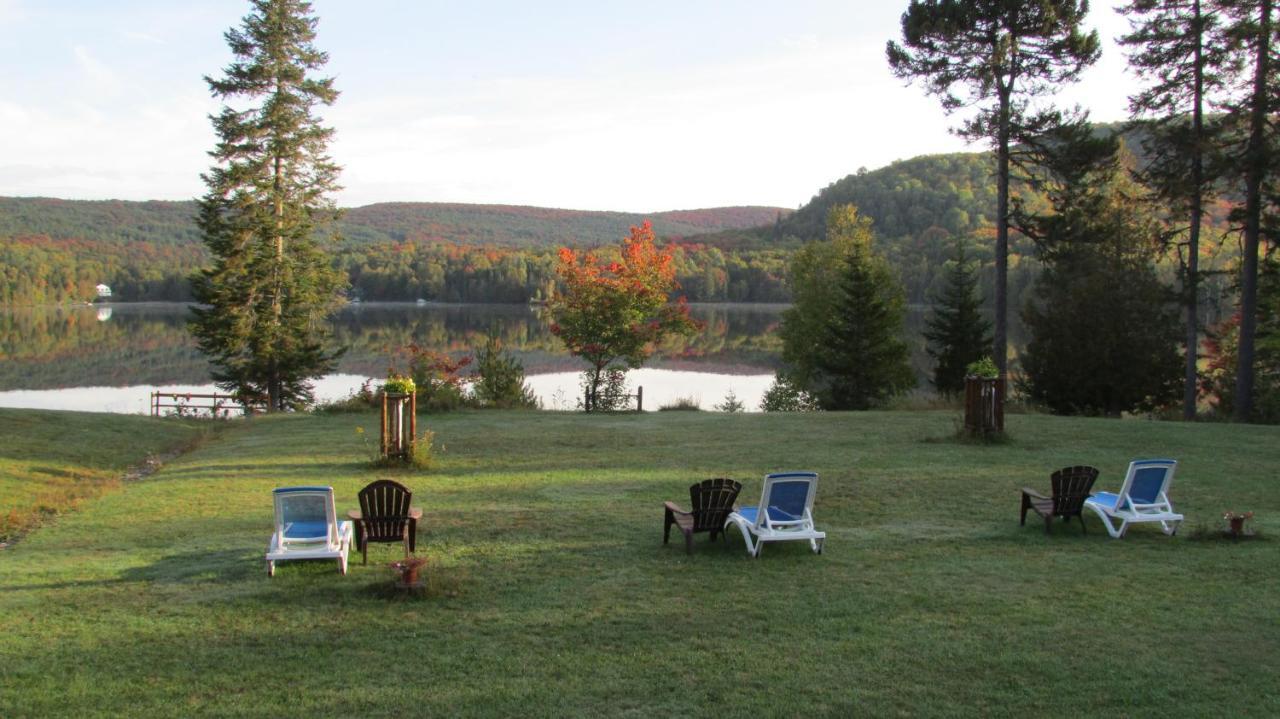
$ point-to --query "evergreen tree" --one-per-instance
(1004, 54)
(1251, 27)
(842, 338)
(957, 332)
(1104, 336)
(1177, 48)
(271, 288)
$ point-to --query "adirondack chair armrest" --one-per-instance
(1032, 493)
(674, 509)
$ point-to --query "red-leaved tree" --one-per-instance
(612, 315)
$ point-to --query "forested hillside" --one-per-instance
(57, 250)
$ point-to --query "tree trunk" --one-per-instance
(1000, 345)
(1192, 288)
(1256, 161)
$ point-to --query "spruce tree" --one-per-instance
(957, 332)
(1104, 334)
(266, 299)
(842, 338)
(997, 56)
(1177, 48)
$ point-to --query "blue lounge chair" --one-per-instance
(785, 513)
(1144, 497)
(307, 528)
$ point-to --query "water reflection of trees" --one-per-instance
(148, 344)
(46, 348)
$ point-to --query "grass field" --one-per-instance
(551, 593)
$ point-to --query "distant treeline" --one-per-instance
(54, 251)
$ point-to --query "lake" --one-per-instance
(109, 358)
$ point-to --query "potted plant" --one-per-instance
(1235, 522)
(409, 571)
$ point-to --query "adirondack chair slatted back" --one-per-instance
(384, 511)
(305, 515)
(1071, 486)
(712, 500)
(787, 498)
(1146, 481)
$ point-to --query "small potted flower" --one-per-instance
(1235, 522)
(409, 571)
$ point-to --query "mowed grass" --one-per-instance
(51, 461)
(551, 593)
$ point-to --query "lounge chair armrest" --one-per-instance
(671, 507)
(1032, 493)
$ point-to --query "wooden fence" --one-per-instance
(589, 400)
(191, 404)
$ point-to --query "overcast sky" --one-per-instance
(596, 104)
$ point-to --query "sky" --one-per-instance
(596, 105)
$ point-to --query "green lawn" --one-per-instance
(52, 461)
(551, 593)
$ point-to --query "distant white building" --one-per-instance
(104, 291)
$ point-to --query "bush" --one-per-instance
(360, 400)
(499, 379)
(731, 404)
(784, 396)
(681, 404)
(435, 376)
(984, 368)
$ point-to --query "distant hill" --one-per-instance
(503, 253)
(172, 223)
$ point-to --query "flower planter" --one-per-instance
(983, 405)
(399, 425)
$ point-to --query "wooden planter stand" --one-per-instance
(983, 406)
(399, 425)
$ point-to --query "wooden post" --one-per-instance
(639, 399)
(382, 432)
(413, 422)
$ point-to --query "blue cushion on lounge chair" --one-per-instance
(749, 514)
(1106, 499)
(306, 530)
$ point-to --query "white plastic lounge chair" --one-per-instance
(1144, 497)
(785, 513)
(307, 528)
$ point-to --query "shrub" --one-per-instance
(499, 379)
(984, 368)
(731, 404)
(681, 404)
(784, 396)
(361, 399)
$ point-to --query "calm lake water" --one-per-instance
(109, 358)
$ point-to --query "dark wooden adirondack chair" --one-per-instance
(1071, 487)
(712, 501)
(384, 516)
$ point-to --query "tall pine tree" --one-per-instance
(1177, 48)
(997, 56)
(266, 299)
(957, 332)
(1251, 26)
